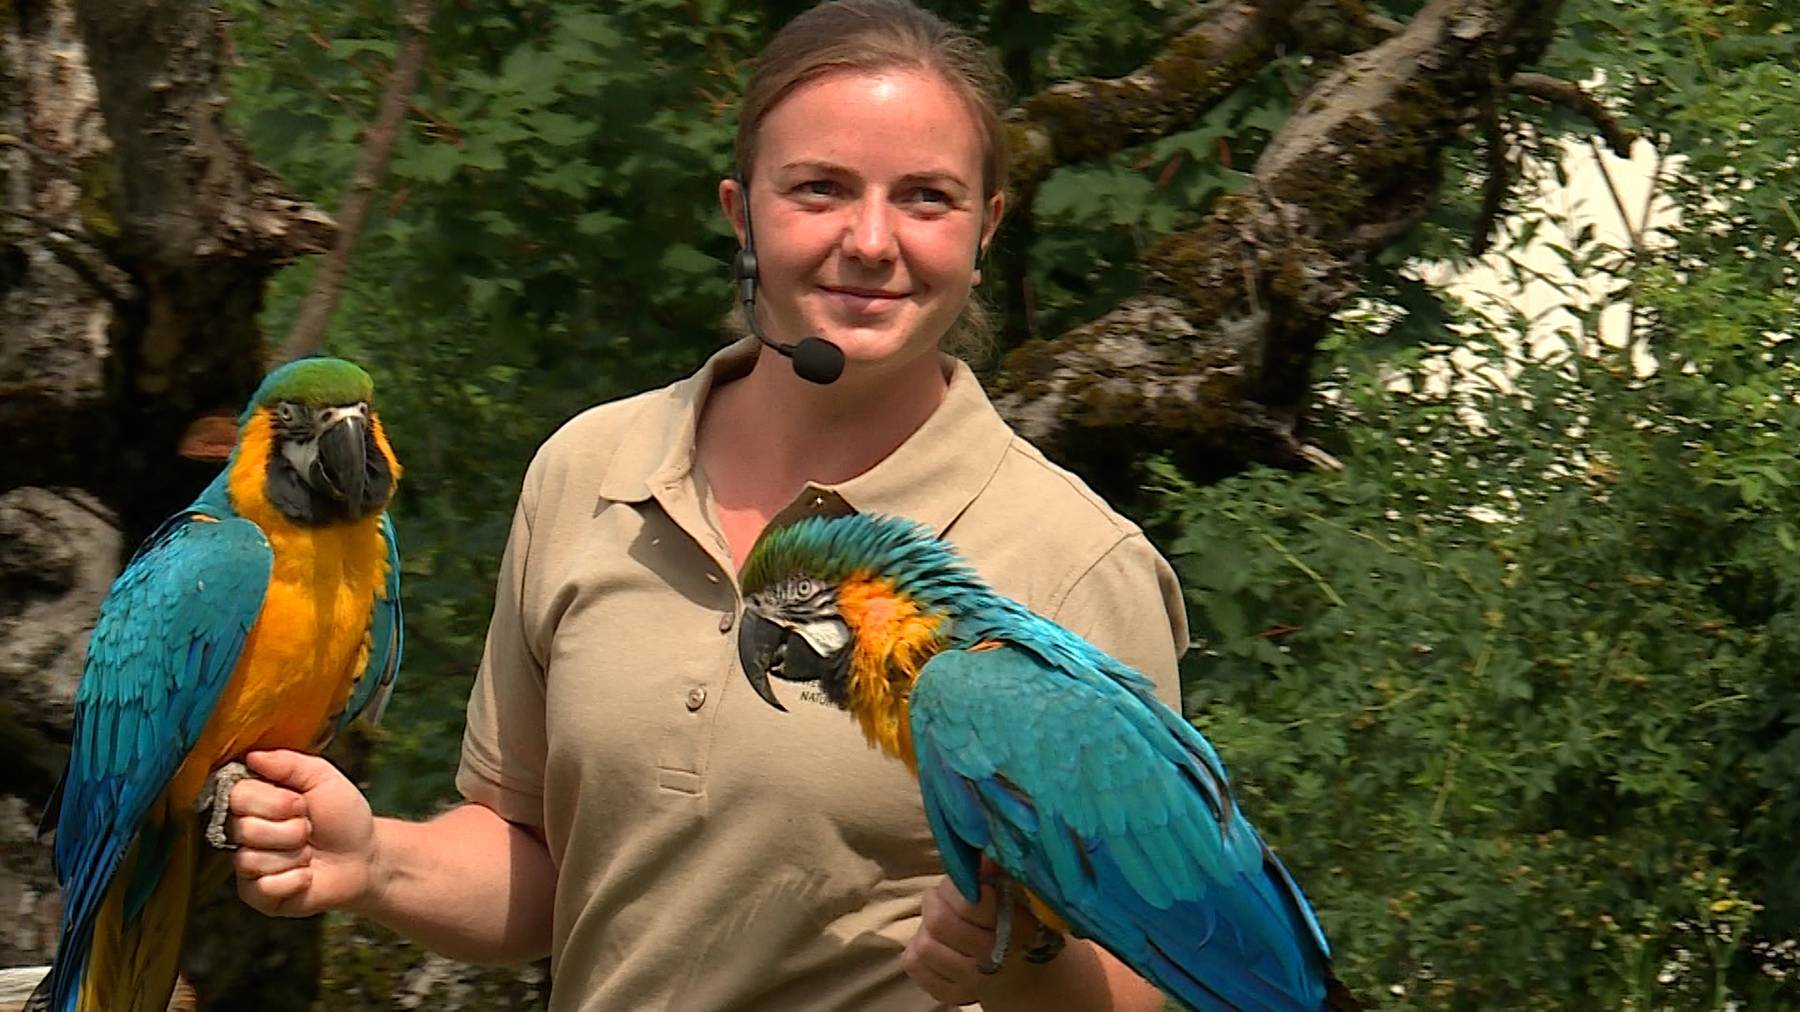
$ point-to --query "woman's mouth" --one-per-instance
(862, 301)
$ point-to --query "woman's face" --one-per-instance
(867, 205)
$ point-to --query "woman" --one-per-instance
(633, 809)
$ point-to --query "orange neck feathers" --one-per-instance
(893, 640)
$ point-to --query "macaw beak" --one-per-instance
(766, 647)
(343, 462)
(762, 646)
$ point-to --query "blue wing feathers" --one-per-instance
(386, 641)
(1127, 829)
(959, 827)
(168, 638)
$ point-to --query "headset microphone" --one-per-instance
(815, 359)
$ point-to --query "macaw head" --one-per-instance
(854, 603)
(326, 457)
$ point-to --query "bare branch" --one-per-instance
(1378, 234)
(1570, 96)
(308, 333)
(1612, 188)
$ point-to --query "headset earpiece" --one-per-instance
(815, 359)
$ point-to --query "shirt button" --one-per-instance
(725, 621)
(696, 698)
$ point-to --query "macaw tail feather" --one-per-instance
(129, 960)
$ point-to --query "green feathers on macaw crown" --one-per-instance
(836, 549)
(855, 603)
(316, 381)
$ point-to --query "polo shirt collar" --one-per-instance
(934, 475)
(658, 446)
(931, 477)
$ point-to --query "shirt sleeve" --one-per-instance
(1129, 604)
(505, 744)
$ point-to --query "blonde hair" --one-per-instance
(872, 35)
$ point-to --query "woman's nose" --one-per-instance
(870, 235)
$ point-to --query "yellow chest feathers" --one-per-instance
(310, 642)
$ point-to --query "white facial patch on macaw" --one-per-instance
(301, 455)
(332, 416)
(826, 636)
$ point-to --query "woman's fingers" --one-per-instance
(263, 834)
(264, 800)
(261, 863)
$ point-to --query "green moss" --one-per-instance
(1105, 116)
(99, 206)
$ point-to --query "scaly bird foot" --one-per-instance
(1047, 946)
(1002, 930)
(216, 794)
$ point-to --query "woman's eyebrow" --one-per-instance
(943, 178)
(817, 165)
(946, 178)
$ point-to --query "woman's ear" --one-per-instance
(732, 194)
(990, 221)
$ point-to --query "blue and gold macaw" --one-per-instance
(1037, 750)
(264, 615)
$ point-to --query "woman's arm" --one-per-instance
(467, 884)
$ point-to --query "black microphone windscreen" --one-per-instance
(817, 360)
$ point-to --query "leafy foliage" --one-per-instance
(1533, 649)
(1518, 664)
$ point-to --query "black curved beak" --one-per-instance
(762, 647)
(344, 459)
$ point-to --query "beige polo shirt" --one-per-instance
(712, 852)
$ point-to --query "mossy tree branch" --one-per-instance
(1222, 46)
(1212, 357)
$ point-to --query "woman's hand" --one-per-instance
(955, 937)
(305, 836)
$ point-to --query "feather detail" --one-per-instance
(894, 639)
(310, 643)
